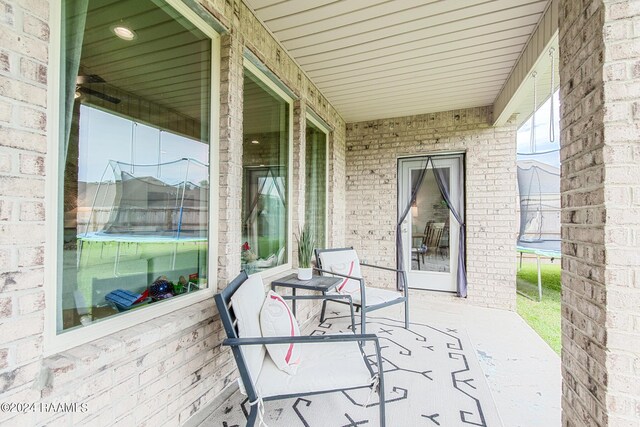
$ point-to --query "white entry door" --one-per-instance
(430, 232)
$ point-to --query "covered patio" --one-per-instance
(412, 79)
(153, 150)
(503, 374)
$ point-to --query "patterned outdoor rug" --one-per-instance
(431, 375)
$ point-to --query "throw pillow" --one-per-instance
(277, 320)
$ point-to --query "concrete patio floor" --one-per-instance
(522, 371)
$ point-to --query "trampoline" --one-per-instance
(539, 192)
(139, 205)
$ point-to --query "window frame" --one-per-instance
(268, 81)
(55, 342)
(323, 128)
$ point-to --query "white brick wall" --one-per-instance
(23, 73)
(600, 89)
(164, 371)
(621, 155)
(372, 152)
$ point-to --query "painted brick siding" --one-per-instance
(23, 143)
(231, 100)
(600, 91)
(621, 155)
(164, 372)
(299, 135)
(371, 202)
(337, 188)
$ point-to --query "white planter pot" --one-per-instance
(305, 273)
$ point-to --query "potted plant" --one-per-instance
(305, 250)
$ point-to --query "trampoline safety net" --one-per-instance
(163, 201)
(539, 192)
(146, 223)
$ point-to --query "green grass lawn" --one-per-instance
(543, 317)
(135, 260)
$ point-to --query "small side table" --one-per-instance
(322, 284)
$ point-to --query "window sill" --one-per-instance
(123, 345)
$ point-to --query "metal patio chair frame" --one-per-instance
(362, 307)
(229, 322)
(422, 249)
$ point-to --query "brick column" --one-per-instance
(298, 173)
(231, 101)
(600, 121)
(336, 188)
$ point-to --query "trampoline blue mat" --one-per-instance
(138, 238)
(550, 253)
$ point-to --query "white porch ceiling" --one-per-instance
(387, 58)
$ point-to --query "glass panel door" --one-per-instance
(430, 242)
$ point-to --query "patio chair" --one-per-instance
(344, 262)
(443, 244)
(434, 235)
(418, 252)
(328, 363)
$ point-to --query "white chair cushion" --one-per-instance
(326, 366)
(375, 296)
(277, 320)
(247, 302)
(343, 262)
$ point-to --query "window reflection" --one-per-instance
(135, 141)
(316, 182)
(265, 161)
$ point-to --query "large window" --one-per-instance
(265, 183)
(316, 181)
(134, 172)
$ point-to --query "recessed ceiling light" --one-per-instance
(125, 33)
(255, 141)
